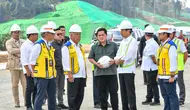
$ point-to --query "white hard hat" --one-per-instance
(104, 61)
(31, 30)
(149, 29)
(165, 28)
(52, 24)
(15, 27)
(125, 24)
(173, 28)
(75, 28)
(47, 28)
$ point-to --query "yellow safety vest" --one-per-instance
(180, 54)
(164, 60)
(74, 64)
(45, 64)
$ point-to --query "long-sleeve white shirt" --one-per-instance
(127, 52)
(66, 61)
(36, 52)
(25, 54)
(149, 50)
(173, 60)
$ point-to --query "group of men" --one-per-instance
(46, 62)
(38, 65)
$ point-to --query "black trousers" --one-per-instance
(128, 95)
(110, 82)
(152, 86)
(75, 92)
(145, 77)
(96, 96)
(30, 91)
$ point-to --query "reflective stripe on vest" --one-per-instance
(122, 48)
(180, 54)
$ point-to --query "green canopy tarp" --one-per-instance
(88, 16)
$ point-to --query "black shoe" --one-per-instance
(154, 103)
(181, 103)
(63, 106)
(17, 106)
(97, 106)
(147, 102)
(109, 105)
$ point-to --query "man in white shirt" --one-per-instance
(150, 67)
(32, 34)
(74, 66)
(43, 69)
(182, 58)
(125, 59)
(167, 68)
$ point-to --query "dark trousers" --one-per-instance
(30, 91)
(181, 85)
(110, 82)
(75, 92)
(128, 95)
(145, 77)
(60, 82)
(169, 94)
(152, 86)
(44, 85)
(96, 96)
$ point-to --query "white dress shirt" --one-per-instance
(149, 50)
(173, 60)
(66, 61)
(129, 56)
(36, 52)
(25, 54)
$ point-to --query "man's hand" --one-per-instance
(118, 62)
(70, 77)
(112, 61)
(99, 65)
(28, 73)
(171, 80)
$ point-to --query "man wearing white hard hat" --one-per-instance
(32, 37)
(125, 59)
(150, 67)
(43, 68)
(14, 64)
(101, 55)
(182, 58)
(74, 66)
(167, 68)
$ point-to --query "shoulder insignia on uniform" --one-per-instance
(68, 43)
(40, 41)
(172, 43)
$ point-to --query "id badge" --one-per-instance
(50, 62)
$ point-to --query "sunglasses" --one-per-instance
(59, 34)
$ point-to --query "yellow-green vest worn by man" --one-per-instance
(164, 60)
(45, 64)
(74, 64)
(180, 56)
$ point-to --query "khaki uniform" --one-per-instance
(14, 65)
